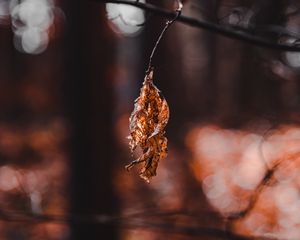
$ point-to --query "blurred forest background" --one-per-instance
(69, 74)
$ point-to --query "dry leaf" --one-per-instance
(147, 123)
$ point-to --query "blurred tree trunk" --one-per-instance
(90, 54)
(259, 94)
(243, 88)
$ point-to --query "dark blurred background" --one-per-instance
(69, 74)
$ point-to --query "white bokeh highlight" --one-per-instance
(125, 19)
(31, 20)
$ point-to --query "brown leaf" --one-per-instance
(147, 123)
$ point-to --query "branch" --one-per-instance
(192, 231)
(227, 31)
(265, 182)
(132, 221)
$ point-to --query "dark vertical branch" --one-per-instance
(90, 53)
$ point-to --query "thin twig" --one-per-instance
(265, 182)
(228, 31)
(168, 24)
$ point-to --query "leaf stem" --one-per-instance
(167, 25)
